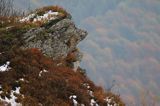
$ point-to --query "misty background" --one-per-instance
(123, 45)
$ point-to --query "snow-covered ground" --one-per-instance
(5, 67)
(93, 103)
(73, 98)
(50, 15)
(109, 100)
(12, 100)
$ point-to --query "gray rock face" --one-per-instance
(56, 41)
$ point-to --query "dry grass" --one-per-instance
(59, 9)
(53, 87)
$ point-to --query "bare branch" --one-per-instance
(7, 8)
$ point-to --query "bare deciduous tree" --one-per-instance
(7, 8)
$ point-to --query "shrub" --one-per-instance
(41, 11)
(51, 88)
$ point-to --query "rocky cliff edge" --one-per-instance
(37, 56)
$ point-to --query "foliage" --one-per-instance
(52, 87)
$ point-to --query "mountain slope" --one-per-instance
(39, 63)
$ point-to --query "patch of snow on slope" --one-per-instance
(93, 103)
(110, 101)
(25, 19)
(40, 73)
(90, 93)
(21, 79)
(50, 15)
(5, 67)
(73, 98)
(13, 98)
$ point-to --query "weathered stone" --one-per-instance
(56, 41)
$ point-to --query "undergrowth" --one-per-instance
(52, 87)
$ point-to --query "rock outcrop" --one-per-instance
(55, 39)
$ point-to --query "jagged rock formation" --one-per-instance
(36, 63)
(57, 40)
(57, 37)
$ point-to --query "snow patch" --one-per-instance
(13, 98)
(5, 67)
(1, 53)
(26, 19)
(2, 22)
(50, 15)
(40, 73)
(110, 101)
(9, 27)
(93, 103)
(45, 71)
(75, 102)
(21, 79)
(90, 93)
(59, 64)
(73, 98)
(88, 87)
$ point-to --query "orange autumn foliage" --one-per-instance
(53, 87)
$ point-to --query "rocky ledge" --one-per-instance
(57, 37)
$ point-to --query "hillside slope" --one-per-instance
(39, 62)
